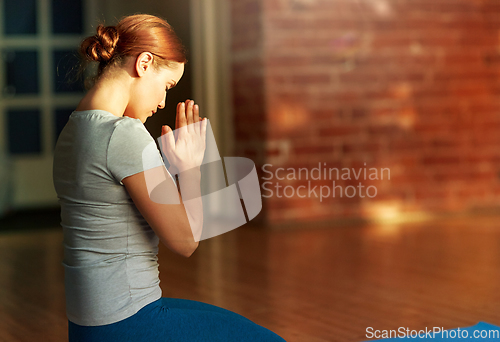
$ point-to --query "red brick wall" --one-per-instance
(411, 86)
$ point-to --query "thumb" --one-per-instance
(165, 129)
(167, 138)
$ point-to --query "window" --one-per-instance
(38, 87)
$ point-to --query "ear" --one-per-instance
(143, 62)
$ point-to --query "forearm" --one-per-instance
(189, 186)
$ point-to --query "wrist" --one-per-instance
(173, 170)
(192, 173)
(189, 169)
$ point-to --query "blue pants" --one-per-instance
(176, 320)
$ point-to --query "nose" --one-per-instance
(161, 105)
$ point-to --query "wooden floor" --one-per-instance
(306, 285)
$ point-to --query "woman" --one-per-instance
(111, 226)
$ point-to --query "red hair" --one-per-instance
(131, 36)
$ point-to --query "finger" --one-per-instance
(196, 119)
(196, 113)
(178, 116)
(186, 104)
(182, 119)
(189, 113)
(167, 140)
(204, 124)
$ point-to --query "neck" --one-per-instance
(108, 93)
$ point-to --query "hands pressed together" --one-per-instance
(185, 147)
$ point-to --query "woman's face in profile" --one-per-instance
(151, 92)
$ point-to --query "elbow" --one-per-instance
(189, 250)
(183, 248)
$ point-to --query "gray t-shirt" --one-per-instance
(110, 252)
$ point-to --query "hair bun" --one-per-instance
(101, 47)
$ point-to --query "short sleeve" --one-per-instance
(131, 150)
